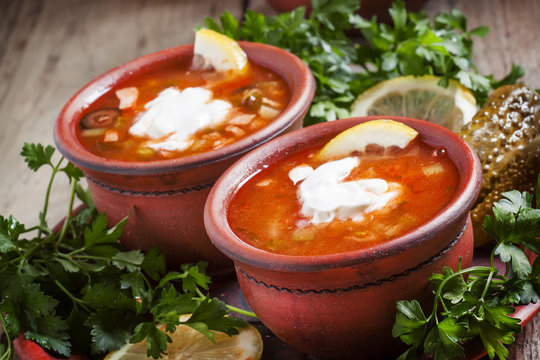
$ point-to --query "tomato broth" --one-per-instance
(266, 211)
(257, 97)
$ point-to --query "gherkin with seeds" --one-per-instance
(506, 136)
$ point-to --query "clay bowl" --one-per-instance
(165, 199)
(342, 305)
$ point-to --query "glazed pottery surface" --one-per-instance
(165, 199)
(342, 305)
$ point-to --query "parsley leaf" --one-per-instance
(210, 315)
(455, 285)
(156, 340)
(102, 296)
(37, 156)
(130, 260)
(520, 263)
(154, 263)
(412, 45)
(107, 332)
(99, 233)
(497, 329)
(320, 41)
(442, 340)
(195, 277)
(10, 229)
(80, 287)
(481, 303)
(172, 305)
(73, 172)
(51, 333)
(410, 323)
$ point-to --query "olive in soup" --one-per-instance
(305, 206)
(181, 110)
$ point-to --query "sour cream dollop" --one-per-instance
(174, 116)
(324, 196)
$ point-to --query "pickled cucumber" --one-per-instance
(506, 136)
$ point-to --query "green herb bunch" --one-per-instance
(414, 45)
(320, 41)
(343, 69)
(78, 286)
(478, 301)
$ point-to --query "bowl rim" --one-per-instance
(225, 240)
(292, 69)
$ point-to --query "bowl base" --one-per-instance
(228, 290)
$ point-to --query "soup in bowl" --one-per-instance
(159, 173)
(321, 266)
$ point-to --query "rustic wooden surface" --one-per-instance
(50, 49)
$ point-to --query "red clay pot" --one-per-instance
(343, 305)
(165, 199)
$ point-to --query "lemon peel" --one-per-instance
(420, 98)
(380, 132)
(188, 343)
(220, 51)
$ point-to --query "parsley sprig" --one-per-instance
(413, 45)
(76, 285)
(478, 301)
(320, 41)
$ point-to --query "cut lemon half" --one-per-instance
(189, 344)
(419, 98)
(381, 132)
(220, 51)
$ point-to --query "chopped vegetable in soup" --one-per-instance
(301, 206)
(179, 111)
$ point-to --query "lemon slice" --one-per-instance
(419, 98)
(220, 51)
(382, 132)
(188, 343)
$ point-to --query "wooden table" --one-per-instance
(50, 49)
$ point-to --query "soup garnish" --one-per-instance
(187, 108)
(315, 205)
(383, 133)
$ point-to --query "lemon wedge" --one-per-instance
(419, 98)
(381, 132)
(220, 51)
(188, 343)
